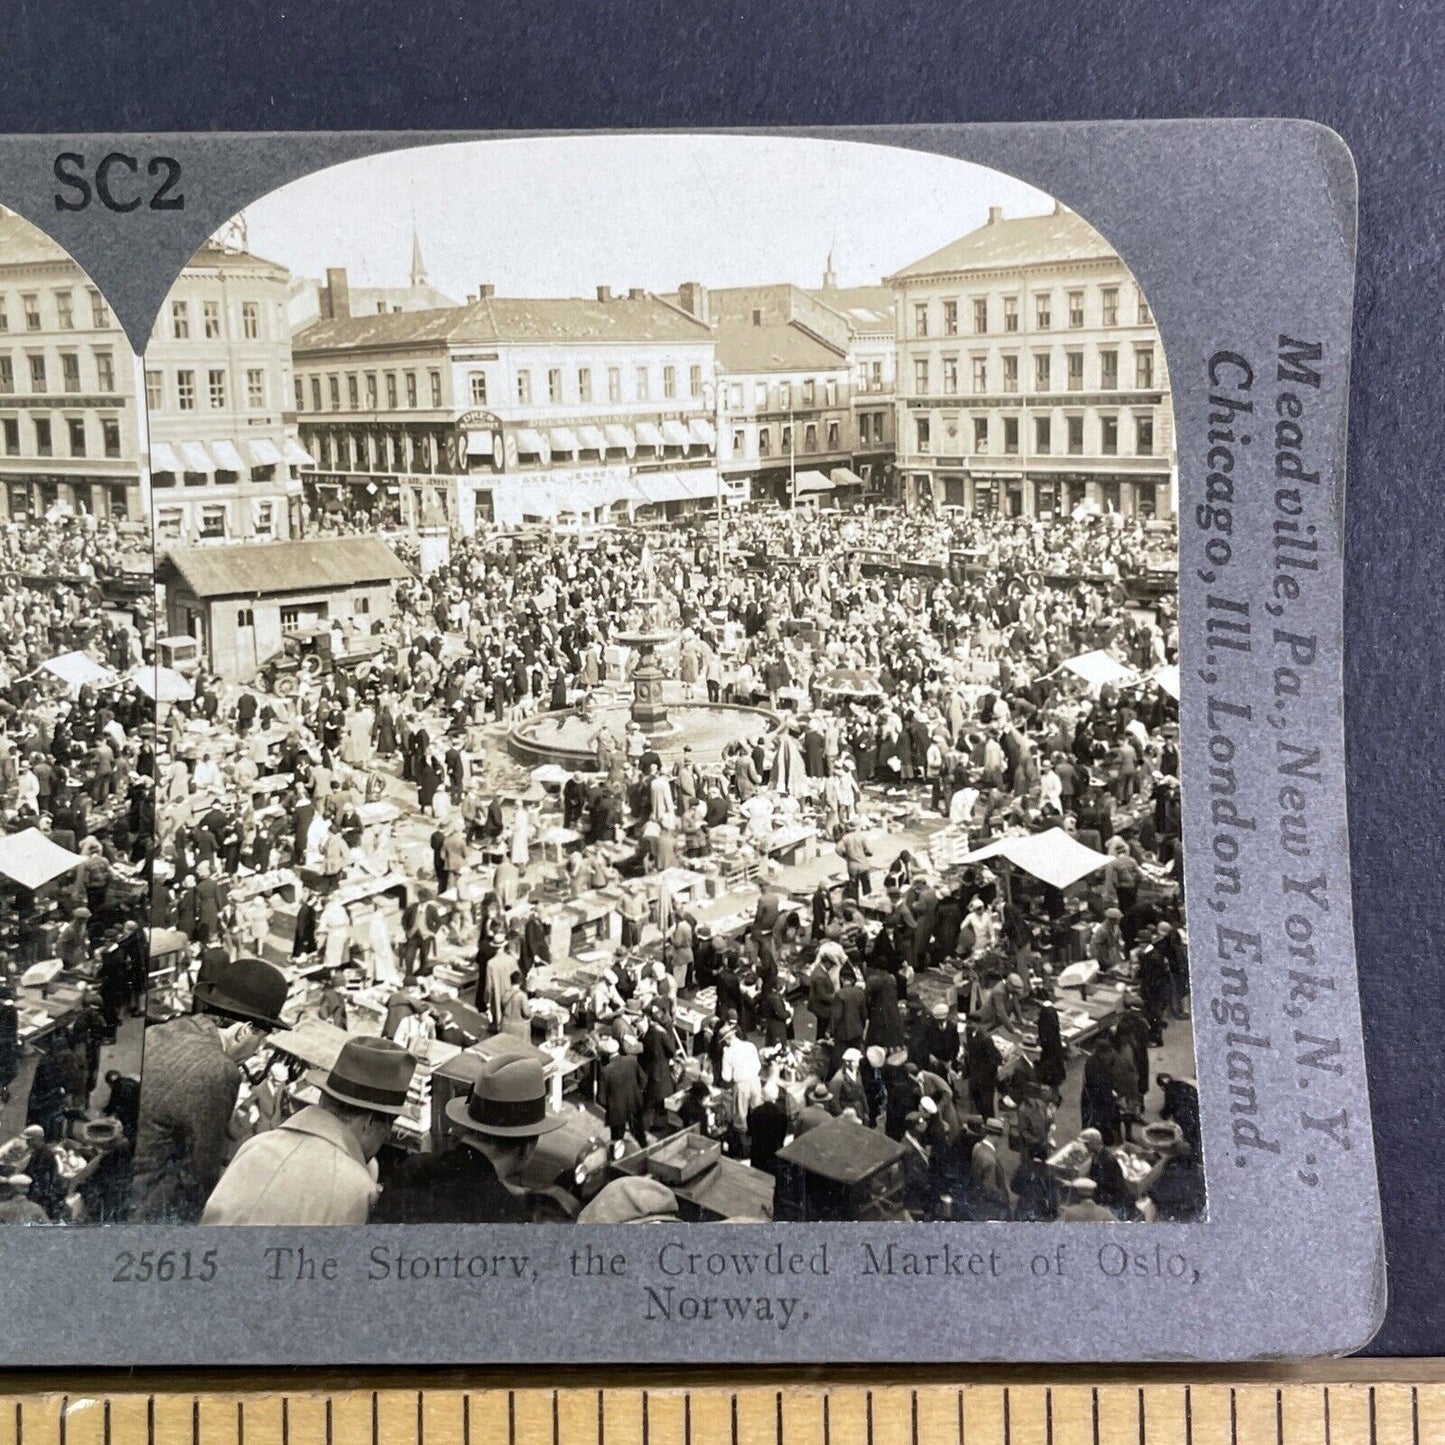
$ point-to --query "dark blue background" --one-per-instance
(1370, 70)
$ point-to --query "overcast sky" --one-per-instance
(561, 216)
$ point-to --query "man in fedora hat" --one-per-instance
(313, 1167)
(499, 1123)
(190, 1083)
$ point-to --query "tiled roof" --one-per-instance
(267, 568)
(499, 319)
(213, 253)
(1062, 235)
(784, 346)
(864, 308)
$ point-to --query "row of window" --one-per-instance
(189, 385)
(63, 308)
(786, 435)
(985, 429)
(42, 432)
(784, 395)
(1007, 307)
(38, 370)
(870, 376)
(212, 521)
(210, 322)
(983, 375)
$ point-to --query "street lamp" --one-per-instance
(712, 397)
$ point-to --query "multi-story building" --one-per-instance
(224, 456)
(1031, 376)
(71, 426)
(310, 300)
(510, 409)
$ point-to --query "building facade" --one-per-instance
(224, 458)
(72, 426)
(1031, 376)
(509, 410)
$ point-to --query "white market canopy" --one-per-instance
(1098, 669)
(163, 684)
(32, 860)
(1168, 679)
(1056, 857)
(78, 669)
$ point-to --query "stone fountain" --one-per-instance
(648, 709)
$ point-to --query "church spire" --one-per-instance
(830, 277)
(418, 266)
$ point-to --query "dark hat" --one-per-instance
(246, 988)
(507, 1101)
(820, 1094)
(369, 1073)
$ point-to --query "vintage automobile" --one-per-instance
(181, 653)
(310, 652)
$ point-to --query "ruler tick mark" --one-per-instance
(1372, 1415)
(1008, 1429)
(777, 1415)
(511, 1417)
(241, 1422)
(961, 1430)
(913, 1418)
(64, 1413)
(601, 1419)
(1233, 1417)
(285, 1420)
(467, 1420)
(870, 1417)
(328, 1421)
(1279, 1417)
(556, 1419)
(1188, 1415)
(1094, 1408)
(646, 1419)
(1143, 1432)
(1415, 1414)
(1327, 1416)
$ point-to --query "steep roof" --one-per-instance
(1062, 235)
(267, 568)
(496, 319)
(864, 308)
(779, 346)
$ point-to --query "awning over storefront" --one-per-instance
(228, 459)
(649, 434)
(655, 487)
(263, 452)
(621, 437)
(297, 455)
(813, 482)
(531, 440)
(479, 443)
(163, 459)
(196, 458)
(591, 438)
(845, 477)
(675, 434)
(703, 432)
(564, 439)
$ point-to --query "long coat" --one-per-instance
(620, 1091)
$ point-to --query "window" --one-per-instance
(950, 318)
(180, 320)
(1076, 370)
(32, 312)
(371, 391)
(669, 381)
(99, 311)
(980, 375)
(7, 375)
(1144, 436)
(765, 440)
(810, 437)
(155, 390)
(69, 371)
(211, 319)
(75, 427)
(643, 387)
(1043, 312)
(980, 434)
(1043, 435)
(411, 388)
(980, 315)
(11, 428)
(922, 433)
(863, 428)
(1010, 373)
(875, 376)
(1076, 309)
(353, 391)
(735, 396)
(739, 441)
(4, 315)
(1145, 315)
(920, 376)
(186, 390)
(1010, 436)
(43, 446)
(300, 394)
(251, 320)
(65, 310)
(435, 381)
(1043, 366)
(104, 371)
(333, 390)
(950, 376)
(1144, 368)
(1109, 370)
(213, 521)
(216, 388)
(246, 616)
(1109, 436)
(1109, 299)
(787, 438)
(256, 388)
(343, 452)
(391, 390)
(1075, 426)
(37, 374)
(614, 383)
(835, 439)
(920, 318)
(110, 436)
(524, 387)
(1010, 313)
(584, 383)
(810, 392)
(477, 383)
(785, 393)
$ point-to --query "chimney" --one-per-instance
(486, 291)
(995, 214)
(337, 303)
(635, 293)
(692, 297)
(604, 293)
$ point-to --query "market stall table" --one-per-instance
(727, 1189)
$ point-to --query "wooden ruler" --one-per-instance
(1340, 1403)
